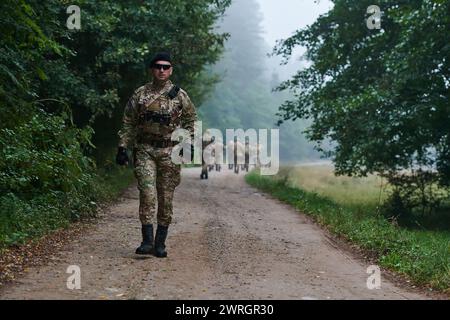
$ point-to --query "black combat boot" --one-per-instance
(146, 246)
(160, 239)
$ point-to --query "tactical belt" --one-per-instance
(158, 143)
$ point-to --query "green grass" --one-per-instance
(367, 191)
(24, 219)
(366, 194)
(423, 255)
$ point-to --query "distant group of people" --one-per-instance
(240, 156)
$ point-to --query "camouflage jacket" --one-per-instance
(179, 111)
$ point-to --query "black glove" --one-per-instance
(122, 156)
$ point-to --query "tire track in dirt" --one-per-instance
(227, 241)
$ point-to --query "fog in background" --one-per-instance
(280, 19)
(244, 97)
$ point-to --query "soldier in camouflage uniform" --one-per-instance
(206, 141)
(153, 112)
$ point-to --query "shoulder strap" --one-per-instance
(173, 92)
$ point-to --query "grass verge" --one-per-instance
(26, 219)
(422, 255)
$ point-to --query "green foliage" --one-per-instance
(397, 207)
(56, 83)
(116, 40)
(243, 98)
(117, 37)
(422, 255)
(381, 95)
(21, 219)
(42, 155)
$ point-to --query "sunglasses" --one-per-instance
(163, 66)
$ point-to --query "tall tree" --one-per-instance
(56, 83)
(243, 98)
(381, 94)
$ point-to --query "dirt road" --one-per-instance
(227, 241)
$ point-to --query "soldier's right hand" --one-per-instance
(122, 156)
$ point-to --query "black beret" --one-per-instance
(160, 56)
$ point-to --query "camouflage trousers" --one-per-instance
(157, 178)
